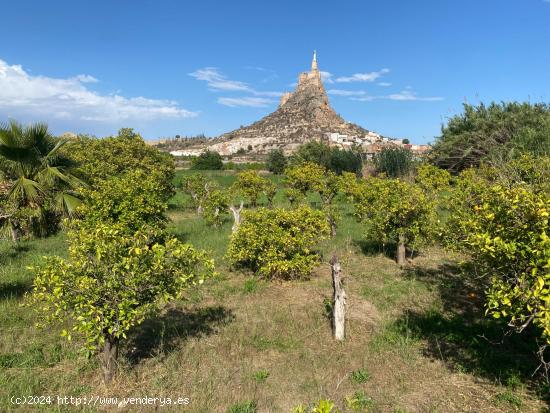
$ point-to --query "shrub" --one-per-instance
(432, 179)
(215, 207)
(492, 132)
(197, 186)
(278, 243)
(507, 235)
(131, 200)
(395, 211)
(111, 281)
(330, 158)
(208, 160)
(393, 162)
(252, 185)
(276, 161)
(101, 159)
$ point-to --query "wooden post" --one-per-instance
(401, 251)
(236, 216)
(339, 304)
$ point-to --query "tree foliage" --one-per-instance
(251, 184)
(276, 161)
(330, 158)
(278, 243)
(216, 207)
(198, 187)
(208, 160)
(132, 200)
(112, 281)
(394, 162)
(492, 133)
(507, 235)
(101, 159)
(432, 179)
(395, 211)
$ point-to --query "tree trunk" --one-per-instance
(339, 305)
(236, 216)
(109, 358)
(199, 209)
(400, 256)
(332, 223)
(15, 234)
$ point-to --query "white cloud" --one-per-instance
(363, 77)
(384, 84)
(217, 81)
(70, 99)
(408, 94)
(405, 95)
(340, 92)
(245, 101)
(326, 77)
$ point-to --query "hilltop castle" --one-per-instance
(302, 116)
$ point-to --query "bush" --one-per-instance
(432, 179)
(208, 160)
(101, 159)
(278, 243)
(131, 200)
(395, 211)
(252, 185)
(330, 158)
(111, 282)
(507, 235)
(393, 162)
(276, 161)
(492, 133)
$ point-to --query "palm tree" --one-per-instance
(37, 176)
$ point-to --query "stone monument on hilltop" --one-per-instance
(302, 116)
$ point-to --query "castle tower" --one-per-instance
(314, 62)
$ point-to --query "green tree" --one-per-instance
(101, 159)
(492, 133)
(251, 185)
(198, 187)
(131, 200)
(394, 162)
(432, 179)
(397, 212)
(215, 206)
(208, 160)
(39, 179)
(507, 235)
(111, 282)
(330, 158)
(278, 243)
(276, 161)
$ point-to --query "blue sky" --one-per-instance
(399, 68)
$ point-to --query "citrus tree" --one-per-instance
(395, 211)
(252, 185)
(215, 207)
(100, 159)
(278, 243)
(432, 179)
(111, 282)
(197, 186)
(131, 200)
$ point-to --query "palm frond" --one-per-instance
(67, 204)
(26, 190)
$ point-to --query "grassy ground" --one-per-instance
(416, 338)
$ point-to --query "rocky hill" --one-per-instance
(302, 116)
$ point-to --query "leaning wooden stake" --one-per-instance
(236, 216)
(339, 315)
